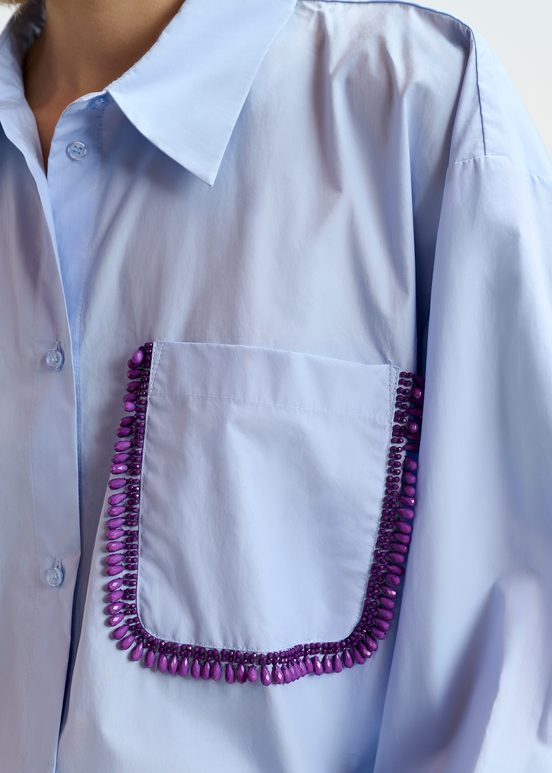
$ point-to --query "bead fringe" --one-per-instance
(268, 668)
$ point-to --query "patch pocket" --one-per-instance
(259, 510)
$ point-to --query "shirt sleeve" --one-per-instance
(470, 688)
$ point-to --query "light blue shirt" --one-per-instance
(333, 222)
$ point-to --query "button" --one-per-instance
(55, 357)
(55, 574)
(98, 101)
(76, 150)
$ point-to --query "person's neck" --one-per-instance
(86, 44)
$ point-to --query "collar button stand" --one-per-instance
(55, 574)
(76, 150)
(55, 358)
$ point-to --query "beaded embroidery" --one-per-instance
(268, 668)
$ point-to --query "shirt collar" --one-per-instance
(185, 94)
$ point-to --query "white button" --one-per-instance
(55, 575)
(55, 357)
(76, 150)
(98, 101)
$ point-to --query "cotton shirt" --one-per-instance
(296, 201)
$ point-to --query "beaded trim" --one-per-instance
(268, 668)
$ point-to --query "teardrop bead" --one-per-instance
(265, 676)
(317, 665)
(118, 633)
(126, 642)
(229, 673)
(216, 671)
(149, 660)
(252, 674)
(173, 665)
(347, 658)
(184, 667)
(241, 673)
(196, 669)
(337, 663)
(206, 670)
(277, 674)
(327, 664)
(136, 652)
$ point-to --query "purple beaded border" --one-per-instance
(269, 668)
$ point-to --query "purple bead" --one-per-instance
(397, 558)
(114, 533)
(363, 649)
(136, 652)
(337, 663)
(196, 669)
(117, 468)
(241, 673)
(116, 483)
(277, 674)
(287, 673)
(115, 619)
(184, 668)
(391, 593)
(252, 674)
(126, 642)
(115, 595)
(122, 432)
(327, 664)
(371, 643)
(116, 510)
(408, 491)
(387, 603)
(119, 458)
(406, 512)
(229, 673)
(113, 571)
(302, 668)
(133, 373)
(114, 523)
(129, 406)
(137, 357)
(216, 671)
(408, 501)
(347, 658)
(409, 477)
(116, 499)
(119, 632)
(113, 609)
(391, 579)
(410, 464)
(114, 559)
(402, 538)
(385, 614)
(358, 656)
(162, 664)
(317, 665)
(173, 665)
(404, 528)
(265, 676)
(149, 660)
(114, 546)
(122, 445)
(206, 670)
(378, 633)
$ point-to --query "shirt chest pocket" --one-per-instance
(259, 510)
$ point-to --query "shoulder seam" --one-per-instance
(466, 27)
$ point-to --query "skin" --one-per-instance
(84, 46)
